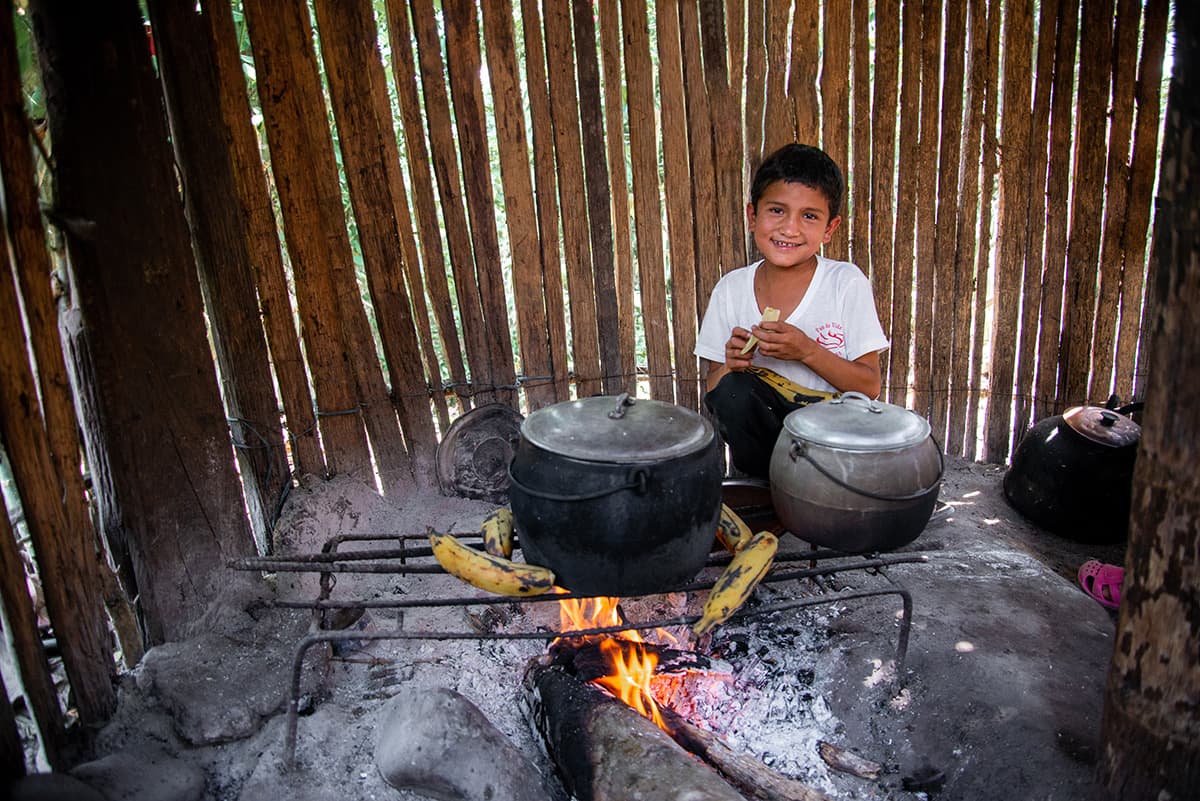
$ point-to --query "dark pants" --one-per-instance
(749, 416)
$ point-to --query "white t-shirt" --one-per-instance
(837, 311)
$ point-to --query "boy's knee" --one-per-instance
(733, 396)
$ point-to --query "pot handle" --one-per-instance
(623, 400)
(638, 478)
(872, 406)
(800, 449)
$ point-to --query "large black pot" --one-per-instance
(855, 474)
(617, 496)
(1072, 474)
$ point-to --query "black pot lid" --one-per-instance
(854, 422)
(608, 428)
(1103, 425)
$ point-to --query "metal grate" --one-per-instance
(410, 559)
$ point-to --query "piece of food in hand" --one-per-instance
(770, 315)
(487, 572)
(741, 576)
(498, 533)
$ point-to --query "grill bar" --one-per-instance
(330, 562)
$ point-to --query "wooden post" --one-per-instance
(902, 270)
(546, 182)
(990, 168)
(314, 226)
(1012, 224)
(600, 214)
(185, 56)
(700, 153)
(529, 292)
(568, 153)
(614, 119)
(949, 203)
(1036, 268)
(965, 280)
(1075, 352)
(779, 123)
(883, 169)
(1116, 204)
(154, 415)
(677, 185)
(371, 162)
(464, 63)
(1062, 98)
(835, 109)
(643, 156)
(424, 207)
(727, 139)
(1142, 175)
(1149, 743)
(21, 631)
(271, 282)
(925, 264)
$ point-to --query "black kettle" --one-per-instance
(1072, 474)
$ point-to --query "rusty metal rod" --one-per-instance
(313, 638)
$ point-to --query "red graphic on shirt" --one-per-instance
(832, 337)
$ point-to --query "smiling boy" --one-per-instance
(827, 338)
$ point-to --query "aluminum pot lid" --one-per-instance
(1103, 425)
(620, 429)
(854, 422)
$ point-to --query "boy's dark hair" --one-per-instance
(801, 164)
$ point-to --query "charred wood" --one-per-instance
(847, 761)
(605, 751)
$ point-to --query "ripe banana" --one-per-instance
(790, 390)
(487, 572)
(770, 315)
(498, 533)
(732, 531)
(741, 576)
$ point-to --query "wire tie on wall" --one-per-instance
(354, 410)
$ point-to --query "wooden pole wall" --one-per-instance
(528, 202)
(609, 97)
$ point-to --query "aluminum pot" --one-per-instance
(1072, 474)
(855, 474)
(618, 496)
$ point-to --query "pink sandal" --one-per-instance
(1102, 582)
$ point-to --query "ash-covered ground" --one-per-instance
(206, 718)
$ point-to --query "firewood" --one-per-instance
(605, 751)
(585, 659)
(847, 761)
(744, 772)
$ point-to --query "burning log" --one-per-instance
(585, 729)
(588, 661)
(605, 751)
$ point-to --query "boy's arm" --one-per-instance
(734, 359)
(784, 341)
(714, 372)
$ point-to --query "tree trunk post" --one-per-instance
(1150, 730)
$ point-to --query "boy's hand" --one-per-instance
(781, 340)
(734, 358)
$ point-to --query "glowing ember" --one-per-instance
(630, 664)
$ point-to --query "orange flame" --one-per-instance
(631, 664)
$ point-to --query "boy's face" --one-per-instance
(790, 223)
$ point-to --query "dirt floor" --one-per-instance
(999, 696)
